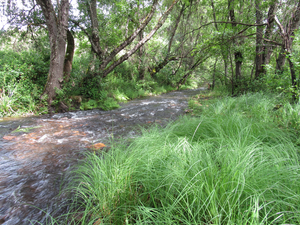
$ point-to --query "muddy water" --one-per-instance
(34, 160)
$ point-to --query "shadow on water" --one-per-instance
(33, 162)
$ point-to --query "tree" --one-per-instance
(108, 60)
(259, 40)
(69, 56)
(238, 56)
(57, 25)
(168, 57)
(287, 35)
(267, 48)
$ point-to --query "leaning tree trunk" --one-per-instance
(57, 29)
(123, 58)
(107, 61)
(168, 58)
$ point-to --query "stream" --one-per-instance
(35, 158)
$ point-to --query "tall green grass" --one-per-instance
(231, 165)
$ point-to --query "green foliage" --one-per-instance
(105, 104)
(268, 108)
(231, 165)
(109, 104)
(117, 87)
(91, 104)
(119, 97)
(22, 77)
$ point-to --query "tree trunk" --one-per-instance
(123, 58)
(225, 70)
(57, 28)
(141, 51)
(287, 35)
(161, 65)
(107, 63)
(69, 56)
(238, 56)
(280, 61)
(293, 77)
(191, 69)
(168, 58)
(94, 37)
(141, 67)
(259, 41)
(267, 50)
(232, 75)
(214, 75)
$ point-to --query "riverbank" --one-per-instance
(237, 162)
(36, 152)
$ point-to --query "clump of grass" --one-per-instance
(225, 167)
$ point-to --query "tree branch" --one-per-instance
(132, 37)
(160, 22)
(236, 23)
(282, 31)
(271, 41)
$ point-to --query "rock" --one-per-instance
(97, 146)
(9, 138)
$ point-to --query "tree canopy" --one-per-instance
(241, 45)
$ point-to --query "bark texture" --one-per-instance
(238, 56)
(57, 27)
(287, 33)
(259, 40)
(267, 49)
(69, 56)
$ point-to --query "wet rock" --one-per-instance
(97, 146)
(9, 138)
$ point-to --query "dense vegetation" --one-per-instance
(236, 161)
(118, 50)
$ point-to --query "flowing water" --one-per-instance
(34, 159)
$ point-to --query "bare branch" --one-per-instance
(235, 23)
(274, 42)
(279, 25)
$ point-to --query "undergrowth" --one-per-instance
(236, 163)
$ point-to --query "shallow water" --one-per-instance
(33, 163)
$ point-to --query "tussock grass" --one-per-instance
(231, 165)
